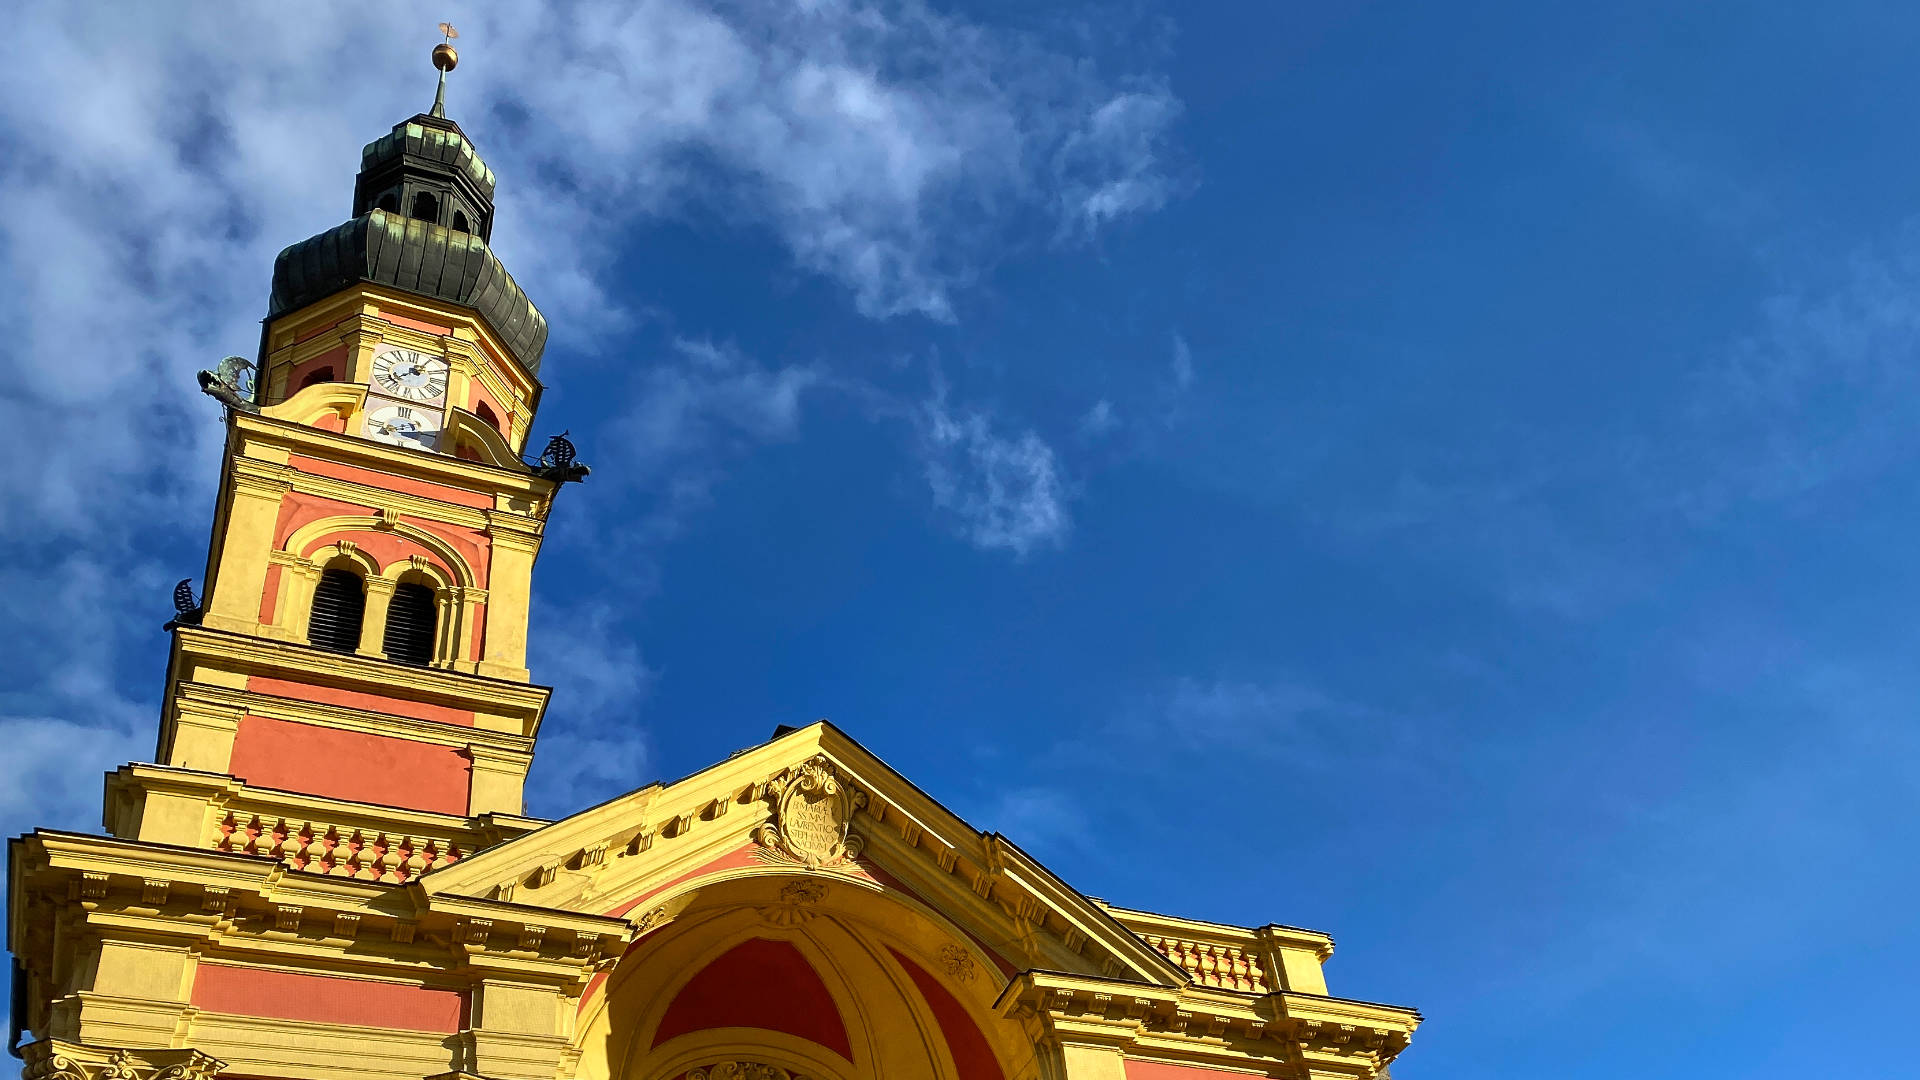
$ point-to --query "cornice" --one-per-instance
(242, 906)
(1154, 922)
(356, 719)
(351, 305)
(236, 796)
(1195, 1024)
(349, 670)
(292, 437)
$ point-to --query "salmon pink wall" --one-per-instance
(355, 699)
(1159, 1070)
(384, 548)
(290, 995)
(744, 855)
(500, 413)
(332, 358)
(351, 765)
(415, 324)
(758, 984)
(390, 482)
(297, 510)
(972, 1058)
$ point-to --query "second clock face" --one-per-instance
(410, 374)
(404, 425)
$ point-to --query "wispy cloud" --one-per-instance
(1679, 174)
(1041, 820)
(688, 416)
(1181, 364)
(1803, 408)
(1098, 420)
(594, 746)
(1003, 491)
(888, 144)
(1113, 164)
(1812, 396)
(63, 720)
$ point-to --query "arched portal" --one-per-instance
(825, 976)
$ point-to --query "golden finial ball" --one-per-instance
(444, 57)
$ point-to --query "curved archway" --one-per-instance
(453, 567)
(825, 975)
(450, 602)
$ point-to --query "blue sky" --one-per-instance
(1442, 474)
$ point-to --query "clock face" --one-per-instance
(410, 374)
(404, 425)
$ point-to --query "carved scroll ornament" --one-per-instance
(52, 1059)
(742, 1070)
(813, 811)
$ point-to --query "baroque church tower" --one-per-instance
(327, 869)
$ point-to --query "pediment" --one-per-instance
(811, 801)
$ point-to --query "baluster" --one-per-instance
(415, 864)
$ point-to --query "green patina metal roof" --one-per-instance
(440, 142)
(416, 257)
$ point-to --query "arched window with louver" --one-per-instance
(339, 607)
(410, 624)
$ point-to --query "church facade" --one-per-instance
(327, 872)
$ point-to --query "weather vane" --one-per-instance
(445, 58)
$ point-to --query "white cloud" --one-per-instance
(1181, 363)
(1041, 820)
(710, 403)
(1216, 711)
(593, 745)
(1003, 492)
(689, 414)
(63, 723)
(1112, 166)
(886, 143)
(55, 769)
(1099, 419)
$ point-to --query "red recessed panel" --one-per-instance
(290, 995)
(972, 1058)
(351, 765)
(1160, 1070)
(758, 984)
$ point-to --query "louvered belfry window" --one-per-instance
(410, 624)
(339, 605)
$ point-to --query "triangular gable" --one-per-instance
(809, 796)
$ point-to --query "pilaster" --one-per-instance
(373, 625)
(237, 573)
(516, 540)
(499, 780)
(299, 577)
(203, 732)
